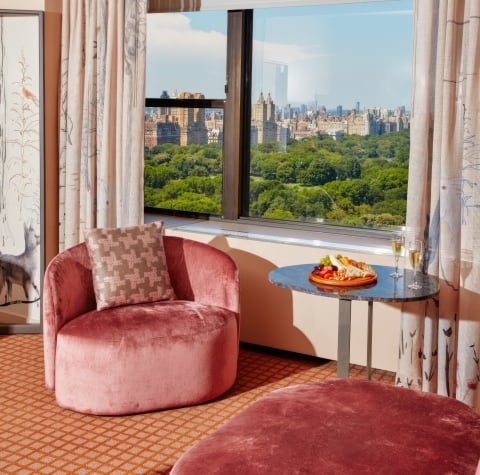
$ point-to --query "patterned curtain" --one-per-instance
(101, 115)
(439, 347)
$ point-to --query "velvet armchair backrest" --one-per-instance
(202, 273)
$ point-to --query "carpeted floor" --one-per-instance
(38, 437)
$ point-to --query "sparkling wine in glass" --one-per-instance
(398, 243)
(415, 255)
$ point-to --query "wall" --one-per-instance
(307, 324)
(38, 5)
(52, 37)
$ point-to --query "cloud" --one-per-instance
(330, 58)
(180, 58)
(285, 53)
(389, 13)
(171, 36)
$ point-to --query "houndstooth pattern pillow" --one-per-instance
(128, 265)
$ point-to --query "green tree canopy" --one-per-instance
(355, 180)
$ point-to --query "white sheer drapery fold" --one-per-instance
(101, 115)
(440, 341)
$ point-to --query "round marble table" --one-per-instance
(386, 289)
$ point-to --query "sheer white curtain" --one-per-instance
(101, 115)
(440, 341)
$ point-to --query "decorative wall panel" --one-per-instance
(21, 171)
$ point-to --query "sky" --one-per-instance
(336, 55)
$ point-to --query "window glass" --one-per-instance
(186, 52)
(331, 94)
(183, 160)
(186, 62)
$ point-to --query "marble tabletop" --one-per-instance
(386, 289)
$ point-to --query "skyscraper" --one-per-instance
(275, 82)
(264, 127)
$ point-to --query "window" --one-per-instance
(315, 124)
(330, 113)
(183, 119)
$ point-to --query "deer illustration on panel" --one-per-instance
(20, 269)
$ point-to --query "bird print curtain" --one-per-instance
(439, 349)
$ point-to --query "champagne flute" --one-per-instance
(398, 242)
(415, 255)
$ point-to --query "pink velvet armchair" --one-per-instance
(148, 356)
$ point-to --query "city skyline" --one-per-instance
(342, 57)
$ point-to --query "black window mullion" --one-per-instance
(237, 114)
(246, 75)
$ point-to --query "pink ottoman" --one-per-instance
(344, 426)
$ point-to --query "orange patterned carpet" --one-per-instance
(38, 437)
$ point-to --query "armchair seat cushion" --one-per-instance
(179, 320)
(140, 357)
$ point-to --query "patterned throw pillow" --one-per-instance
(128, 265)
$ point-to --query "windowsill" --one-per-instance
(275, 234)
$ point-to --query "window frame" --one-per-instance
(236, 133)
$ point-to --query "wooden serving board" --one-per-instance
(357, 282)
